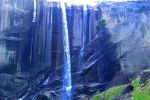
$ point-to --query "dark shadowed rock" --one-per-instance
(41, 97)
(79, 89)
(128, 89)
(82, 97)
(120, 78)
(87, 89)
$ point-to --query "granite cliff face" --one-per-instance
(106, 41)
(128, 23)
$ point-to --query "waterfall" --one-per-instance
(67, 68)
(34, 13)
(84, 26)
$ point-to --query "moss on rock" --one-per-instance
(109, 94)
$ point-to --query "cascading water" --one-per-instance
(34, 13)
(67, 86)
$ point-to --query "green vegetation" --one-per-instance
(136, 82)
(109, 94)
(141, 92)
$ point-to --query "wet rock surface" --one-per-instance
(107, 45)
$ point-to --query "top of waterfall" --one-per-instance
(78, 2)
(86, 2)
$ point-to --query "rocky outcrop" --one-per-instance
(128, 23)
(144, 77)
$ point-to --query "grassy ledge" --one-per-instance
(109, 94)
(141, 93)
